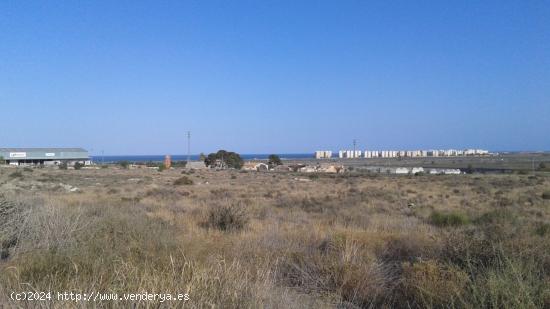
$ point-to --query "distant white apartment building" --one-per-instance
(349, 154)
(323, 154)
(474, 152)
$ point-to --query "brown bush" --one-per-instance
(183, 180)
(432, 284)
(227, 217)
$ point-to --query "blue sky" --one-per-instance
(131, 77)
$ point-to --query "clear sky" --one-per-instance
(131, 77)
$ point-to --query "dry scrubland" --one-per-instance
(249, 240)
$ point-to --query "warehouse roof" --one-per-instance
(43, 154)
(42, 150)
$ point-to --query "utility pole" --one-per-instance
(354, 146)
(188, 146)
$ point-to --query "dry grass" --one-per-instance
(252, 240)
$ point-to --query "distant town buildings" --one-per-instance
(351, 154)
(255, 166)
(323, 154)
(195, 165)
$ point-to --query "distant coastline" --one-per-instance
(195, 157)
(160, 158)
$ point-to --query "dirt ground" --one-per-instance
(234, 239)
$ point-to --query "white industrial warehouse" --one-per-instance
(44, 156)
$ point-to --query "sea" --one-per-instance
(160, 158)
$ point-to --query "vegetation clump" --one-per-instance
(224, 159)
(448, 219)
(274, 160)
(430, 283)
(181, 164)
(546, 195)
(124, 164)
(542, 229)
(16, 174)
(183, 180)
(227, 217)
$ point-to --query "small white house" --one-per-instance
(401, 170)
(308, 169)
(255, 166)
(451, 171)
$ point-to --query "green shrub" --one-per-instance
(499, 216)
(542, 229)
(546, 195)
(162, 167)
(78, 166)
(63, 166)
(448, 219)
(124, 164)
(181, 164)
(184, 180)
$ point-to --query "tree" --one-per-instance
(124, 164)
(274, 160)
(78, 165)
(202, 157)
(224, 159)
(542, 165)
(2, 161)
